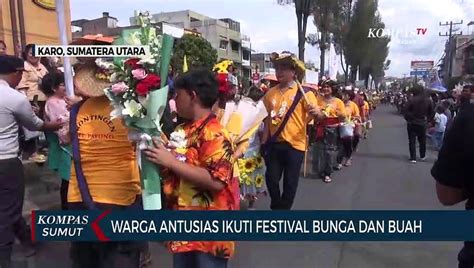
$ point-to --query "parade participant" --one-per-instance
(419, 111)
(285, 129)
(203, 179)
(29, 85)
(59, 151)
(326, 143)
(250, 162)
(357, 99)
(105, 172)
(367, 124)
(15, 111)
(453, 169)
(352, 117)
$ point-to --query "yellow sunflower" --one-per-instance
(249, 166)
(259, 179)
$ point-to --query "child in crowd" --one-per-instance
(59, 156)
(198, 172)
(441, 120)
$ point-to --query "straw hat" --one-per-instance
(85, 69)
(288, 59)
(87, 83)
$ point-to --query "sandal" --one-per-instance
(327, 179)
(338, 167)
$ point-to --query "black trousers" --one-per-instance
(12, 224)
(106, 254)
(346, 149)
(416, 132)
(63, 193)
(282, 159)
(355, 142)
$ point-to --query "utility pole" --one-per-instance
(450, 50)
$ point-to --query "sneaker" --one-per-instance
(423, 158)
(413, 161)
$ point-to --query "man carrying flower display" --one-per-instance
(285, 129)
(198, 172)
(105, 173)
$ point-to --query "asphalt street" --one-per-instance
(381, 178)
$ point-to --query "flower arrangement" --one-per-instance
(139, 96)
(179, 143)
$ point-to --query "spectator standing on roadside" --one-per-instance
(419, 111)
(15, 111)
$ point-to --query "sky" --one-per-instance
(272, 27)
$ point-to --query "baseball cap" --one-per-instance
(10, 64)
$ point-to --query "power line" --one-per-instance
(449, 50)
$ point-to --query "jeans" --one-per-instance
(466, 255)
(106, 254)
(197, 259)
(416, 132)
(437, 139)
(12, 224)
(282, 159)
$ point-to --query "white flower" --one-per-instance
(132, 108)
(114, 77)
(104, 64)
(147, 60)
(272, 114)
(178, 139)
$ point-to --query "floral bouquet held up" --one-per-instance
(139, 96)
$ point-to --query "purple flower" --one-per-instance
(119, 88)
(139, 74)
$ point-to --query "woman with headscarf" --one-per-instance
(325, 147)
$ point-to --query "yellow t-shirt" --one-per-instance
(366, 108)
(352, 110)
(107, 156)
(278, 103)
(334, 108)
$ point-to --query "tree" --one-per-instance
(327, 16)
(198, 51)
(302, 10)
(366, 55)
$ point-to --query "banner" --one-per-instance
(252, 225)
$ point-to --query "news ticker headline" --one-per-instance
(253, 225)
(91, 51)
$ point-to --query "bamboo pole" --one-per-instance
(64, 41)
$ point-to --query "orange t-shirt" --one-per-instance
(352, 111)
(333, 108)
(278, 103)
(108, 158)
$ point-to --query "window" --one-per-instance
(223, 44)
(245, 55)
(235, 45)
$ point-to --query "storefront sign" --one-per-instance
(46, 4)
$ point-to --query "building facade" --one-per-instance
(30, 21)
(223, 34)
(459, 58)
(260, 62)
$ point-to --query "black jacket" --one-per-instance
(419, 110)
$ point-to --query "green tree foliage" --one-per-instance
(363, 54)
(302, 10)
(198, 51)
